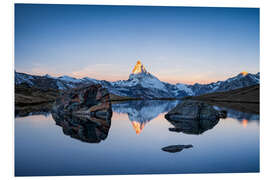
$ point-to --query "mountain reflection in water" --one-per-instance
(142, 112)
(94, 129)
(112, 147)
(240, 116)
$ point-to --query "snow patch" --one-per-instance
(183, 87)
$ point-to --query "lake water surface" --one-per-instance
(137, 134)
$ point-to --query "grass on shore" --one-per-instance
(245, 99)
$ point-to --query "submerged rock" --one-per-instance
(176, 148)
(193, 117)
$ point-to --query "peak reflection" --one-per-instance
(142, 112)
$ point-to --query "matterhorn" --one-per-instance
(140, 76)
(139, 68)
(140, 84)
(143, 84)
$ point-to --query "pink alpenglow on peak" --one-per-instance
(244, 73)
(139, 68)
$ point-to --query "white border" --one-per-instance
(7, 81)
(209, 3)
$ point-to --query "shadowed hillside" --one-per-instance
(245, 99)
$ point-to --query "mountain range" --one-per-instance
(140, 84)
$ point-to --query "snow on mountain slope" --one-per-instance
(243, 79)
(141, 84)
(140, 76)
(143, 111)
(23, 78)
(185, 88)
(47, 81)
(69, 79)
(145, 80)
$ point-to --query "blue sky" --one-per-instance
(176, 44)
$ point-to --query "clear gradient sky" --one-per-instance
(176, 44)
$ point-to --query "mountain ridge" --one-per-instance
(140, 84)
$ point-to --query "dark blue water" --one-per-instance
(133, 145)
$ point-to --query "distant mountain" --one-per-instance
(246, 99)
(49, 82)
(243, 79)
(143, 84)
(140, 84)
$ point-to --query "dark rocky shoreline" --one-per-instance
(31, 99)
(245, 99)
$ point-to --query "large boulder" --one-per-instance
(84, 113)
(193, 110)
(193, 117)
(86, 100)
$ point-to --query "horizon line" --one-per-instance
(167, 81)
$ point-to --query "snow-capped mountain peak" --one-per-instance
(140, 84)
(139, 68)
(244, 73)
(140, 77)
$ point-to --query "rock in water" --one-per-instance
(176, 148)
(84, 113)
(193, 110)
(192, 117)
(86, 100)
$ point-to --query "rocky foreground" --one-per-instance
(193, 117)
(32, 99)
(88, 100)
(84, 113)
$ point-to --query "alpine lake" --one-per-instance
(134, 142)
